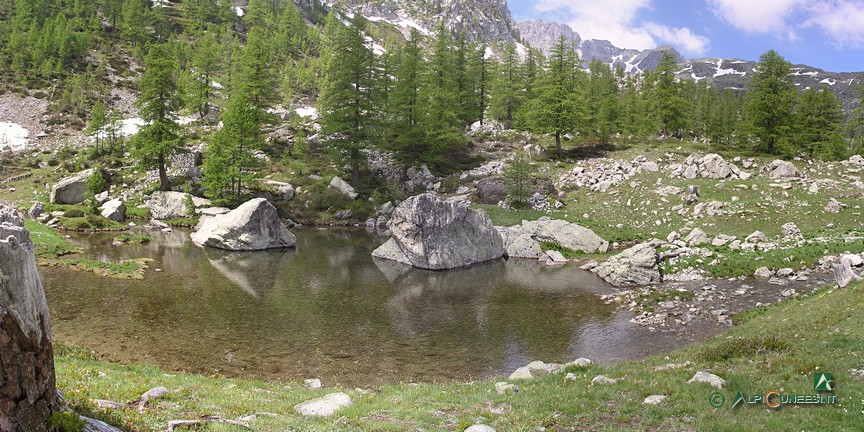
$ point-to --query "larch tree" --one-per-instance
(158, 104)
(348, 114)
(770, 101)
(558, 107)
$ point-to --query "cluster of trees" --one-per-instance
(414, 98)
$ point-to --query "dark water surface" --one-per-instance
(328, 310)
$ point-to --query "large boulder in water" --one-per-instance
(27, 387)
(72, 189)
(524, 241)
(255, 225)
(433, 234)
(637, 266)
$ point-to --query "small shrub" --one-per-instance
(74, 213)
(66, 422)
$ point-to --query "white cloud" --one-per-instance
(681, 37)
(755, 16)
(617, 21)
(843, 21)
(840, 20)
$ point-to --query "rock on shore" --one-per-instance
(637, 266)
(523, 241)
(433, 234)
(255, 225)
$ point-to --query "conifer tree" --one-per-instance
(506, 96)
(818, 119)
(557, 107)
(200, 73)
(769, 102)
(671, 104)
(346, 99)
(160, 137)
(404, 107)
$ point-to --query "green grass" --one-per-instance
(136, 239)
(91, 222)
(48, 244)
(779, 347)
(127, 269)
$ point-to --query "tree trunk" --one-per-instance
(355, 175)
(163, 174)
(558, 150)
(28, 394)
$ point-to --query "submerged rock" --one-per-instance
(437, 235)
(255, 225)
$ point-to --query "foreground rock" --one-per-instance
(523, 241)
(780, 169)
(324, 406)
(637, 266)
(27, 387)
(843, 274)
(72, 189)
(173, 205)
(536, 368)
(436, 235)
(255, 225)
(343, 187)
(708, 378)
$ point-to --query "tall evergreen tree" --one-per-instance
(440, 99)
(160, 99)
(818, 119)
(404, 107)
(506, 88)
(200, 73)
(346, 99)
(769, 102)
(671, 103)
(557, 106)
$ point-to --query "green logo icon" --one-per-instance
(717, 399)
(823, 382)
(738, 399)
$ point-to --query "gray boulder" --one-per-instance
(491, 190)
(524, 241)
(843, 274)
(342, 187)
(780, 169)
(72, 189)
(27, 391)
(715, 167)
(114, 210)
(172, 205)
(708, 378)
(696, 237)
(433, 234)
(283, 191)
(36, 210)
(637, 266)
(255, 225)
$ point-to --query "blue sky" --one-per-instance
(828, 34)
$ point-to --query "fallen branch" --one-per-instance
(175, 423)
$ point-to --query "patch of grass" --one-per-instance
(47, 243)
(91, 222)
(133, 212)
(566, 252)
(126, 269)
(135, 239)
(742, 347)
(183, 222)
(649, 298)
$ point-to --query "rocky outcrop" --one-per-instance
(523, 241)
(281, 190)
(255, 225)
(173, 205)
(27, 387)
(72, 189)
(637, 266)
(711, 166)
(436, 235)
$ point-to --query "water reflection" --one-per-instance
(328, 310)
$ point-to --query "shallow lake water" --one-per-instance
(328, 310)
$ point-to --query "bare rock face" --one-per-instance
(255, 225)
(27, 387)
(437, 235)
